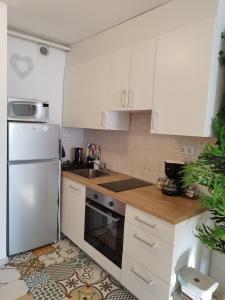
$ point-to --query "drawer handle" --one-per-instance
(73, 187)
(153, 226)
(153, 245)
(135, 272)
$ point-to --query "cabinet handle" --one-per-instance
(153, 226)
(153, 245)
(131, 98)
(73, 188)
(136, 273)
(123, 98)
(102, 213)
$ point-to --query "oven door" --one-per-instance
(104, 230)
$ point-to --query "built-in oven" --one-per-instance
(104, 225)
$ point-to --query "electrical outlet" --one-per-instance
(190, 150)
(187, 150)
(183, 149)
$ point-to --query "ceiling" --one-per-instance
(69, 21)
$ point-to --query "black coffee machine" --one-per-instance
(172, 185)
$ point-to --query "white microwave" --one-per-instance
(28, 110)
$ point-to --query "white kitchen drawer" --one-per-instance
(149, 251)
(151, 224)
(73, 186)
(142, 283)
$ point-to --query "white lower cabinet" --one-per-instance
(154, 251)
(141, 282)
(73, 210)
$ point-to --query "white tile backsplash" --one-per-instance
(139, 153)
(71, 137)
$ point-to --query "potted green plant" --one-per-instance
(209, 171)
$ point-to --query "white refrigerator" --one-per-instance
(33, 189)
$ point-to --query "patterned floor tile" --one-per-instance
(51, 259)
(66, 249)
(87, 293)
(120, 295)
(21, 258)
(106, 286)
(61, 271)
(82, 260)
(29, 266)
(38, 280)
(50, 291)
(44, 250)
(91, 275)
(70, 284)
(58, 271)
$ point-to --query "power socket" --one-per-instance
(187, 150)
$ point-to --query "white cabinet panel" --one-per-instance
(119, 79)
(86, 93)
(157, 227)
(151, 251)
(182, 80)
(142, 283)
(142, 75)
(132, 77)
(73, 211)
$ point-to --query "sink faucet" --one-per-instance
(102, 166)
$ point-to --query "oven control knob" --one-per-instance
(95, 196)
(111, 203)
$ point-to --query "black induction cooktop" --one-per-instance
(124, 185)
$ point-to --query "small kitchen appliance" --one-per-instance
(24, 110)
(78, 155)
(172, 185)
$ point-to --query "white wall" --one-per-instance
(45, 80)
(3, 129)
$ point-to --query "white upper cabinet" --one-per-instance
(119, 79)
(182, 80)
(132, 77)
(86, 94)
(142, 75)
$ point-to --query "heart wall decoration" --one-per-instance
(22, 66)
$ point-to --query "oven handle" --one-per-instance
(102, 213)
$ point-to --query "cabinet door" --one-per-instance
(182, 76)
(119, 79)
(86, 93)
(142, 75)
(73, 210)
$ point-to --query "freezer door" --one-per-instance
(32, 205)
(32, 141)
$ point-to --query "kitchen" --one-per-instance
(123, 66)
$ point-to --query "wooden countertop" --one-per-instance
(149, 199)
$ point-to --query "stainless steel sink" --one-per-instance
(90, 173)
